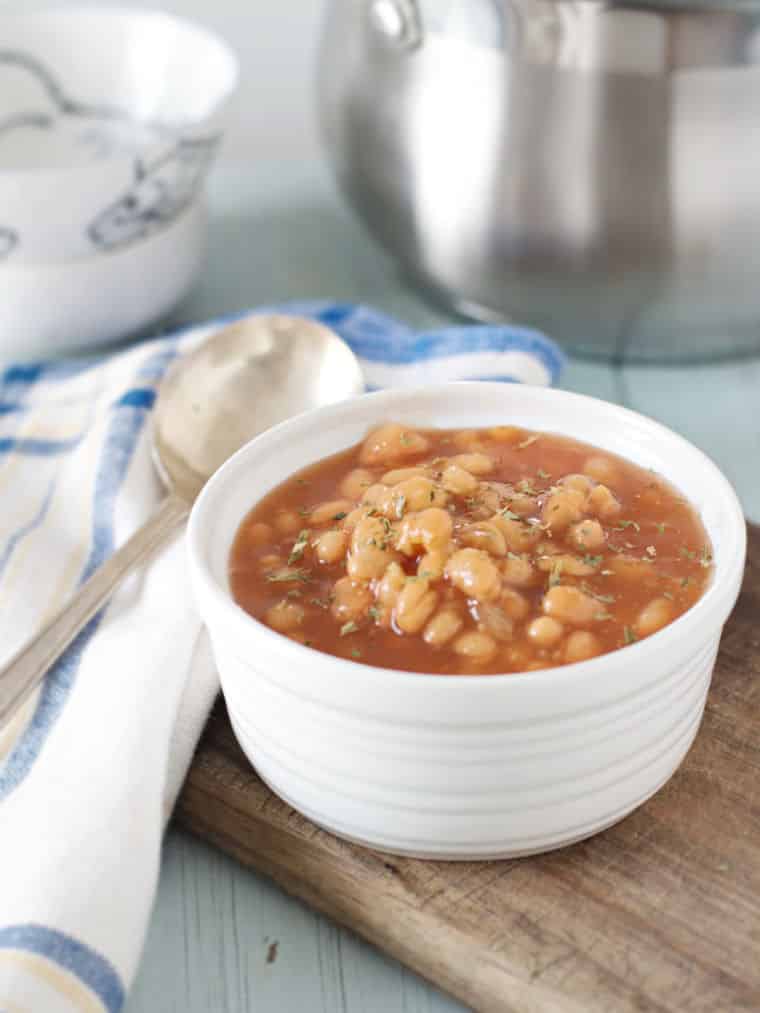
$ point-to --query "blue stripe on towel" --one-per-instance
(115, 455)
(92, 969)
(31, 447)
(21, 533)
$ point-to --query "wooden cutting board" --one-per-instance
(661, 912)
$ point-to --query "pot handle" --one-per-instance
(397, 21)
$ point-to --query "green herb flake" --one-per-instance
(510, 514)
(544, 475)
(321, 603)
(685, 581)
(705, 558)
(405, 439)
(287, 574)
(349, 627)
(622, 525)
(355, 652)
(687, 553)
(629, 636)
(340, 515)
(555, 574)
(299, 546)
(660, 528)
(529, 442)
(590, 560)
(373, 612)
(524, 485)
(605, 599)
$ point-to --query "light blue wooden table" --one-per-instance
(280, 231)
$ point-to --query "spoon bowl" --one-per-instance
(243, 380)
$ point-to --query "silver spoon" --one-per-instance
(239, 382)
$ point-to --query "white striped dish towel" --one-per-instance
(90, 769)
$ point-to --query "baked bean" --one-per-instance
(389, 587)
(355, 482)
(368, 556)
(603, 503)
(568, 566)
(514, 604)
(518, 571)
(522, 505)
(331, 546)
(519, 536)
(442, 627)
(259, 534)
(330, 513)
(656, 614)
(432, 564)
(458, 481)
(402, 474)
(390, 443)
(506, 434)
(477, 647)
(271, 562)
(381, 498)
(351, 599)
(494, 621)
(285, 616)
(601, 469)
(419, 493)
(562, 508)
(580, 646)
(415, 605)
(485, 535)
(468, 439)
(288, 522)
(580, 482)
(570, 605)
(429, 529)
(476, 464)
(545, 631)
(587, 535)
(475, 574)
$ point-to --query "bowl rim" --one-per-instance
(112, 12)
(720, 594)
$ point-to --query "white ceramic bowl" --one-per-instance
(47, 309)
(109, 120)
(465, 766)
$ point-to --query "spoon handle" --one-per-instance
(28, 666)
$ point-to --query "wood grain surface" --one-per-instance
(661, 912)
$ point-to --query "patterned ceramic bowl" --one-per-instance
(464, 766)
(109, 120)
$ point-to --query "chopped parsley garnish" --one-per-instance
(373, 612)
(405, 439)
(510, 514)
(524, 485)
(705, 558)
(622, 525)
(322, 603)
(349, 627)
(687, 553)
(605, 599)
(355, 652)
(543, 474)
(528, 442)
(299, 546)
(629, 636)
(685, 581)
(660, 528)
(287, 574)
(590, 560)
(555, 574)
(340, 515)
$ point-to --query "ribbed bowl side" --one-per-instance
(458, 791)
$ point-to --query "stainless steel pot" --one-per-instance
(590, 167)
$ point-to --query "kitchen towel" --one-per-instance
(90, 769)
